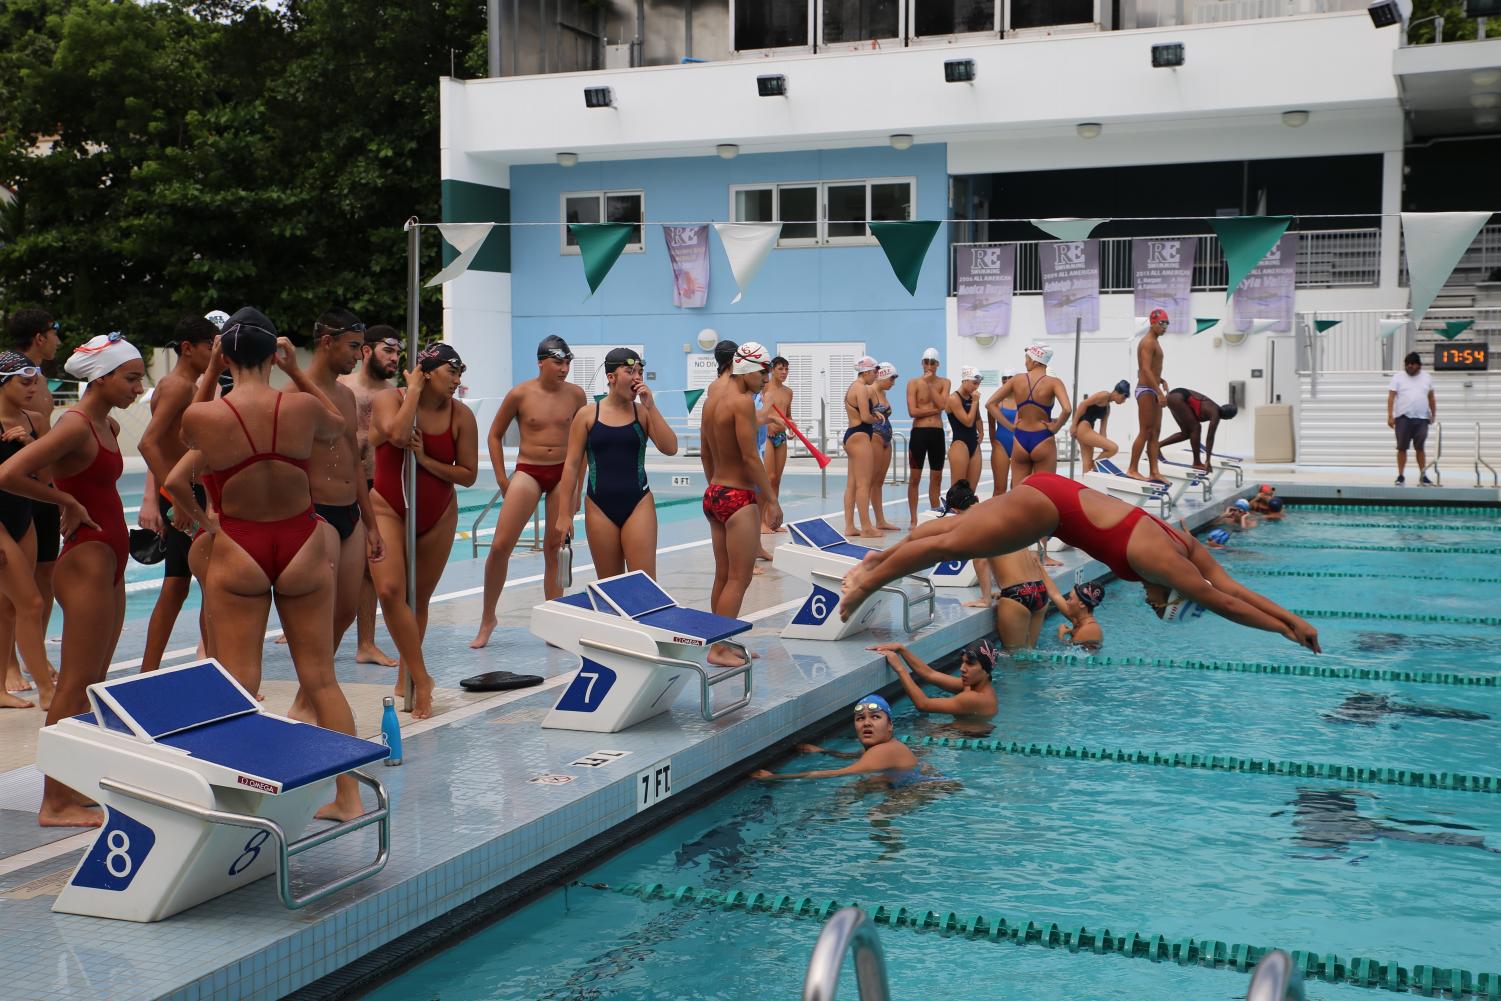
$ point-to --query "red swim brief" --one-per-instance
(547, 477)
(720, 502)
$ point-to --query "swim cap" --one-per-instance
(876, 703)
(982, 653)
(100, 356)
(1266, 488)
(1158, 316)
(865, 363)
(960, 497)
(1040, 353)
(1180, 609)
(1228, 412)
(1242, 505)
(249, 337)
(13, 363)
(1274, 504)
(930, 355)
(1122, 388)
(1090, 594)
(620, 356)
(1220, 535)
(554, 347)
(438, 354)
(750, 357)
(885, 370)
(724, 353)
(146, 547)
(217, 317)
(969, 374)
(1007, 373)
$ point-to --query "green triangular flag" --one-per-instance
(1245, 240)
(1454, 328)
(1203, 323)
(600, 244)
(691, 398)
(600, 396)
(1323, 325)
(905, 244)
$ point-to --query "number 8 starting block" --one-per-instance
(821, 555)
(203, 792)
(638, 649)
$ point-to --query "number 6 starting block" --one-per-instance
(203, 793)
(638, 649)
(821, 555)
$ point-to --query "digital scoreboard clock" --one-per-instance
(1473, 356)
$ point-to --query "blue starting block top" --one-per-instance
(642, 600)
(819, 534)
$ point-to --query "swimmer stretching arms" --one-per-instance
(1081, 629)
(974, 695)
(884, 755)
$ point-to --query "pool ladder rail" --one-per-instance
(1275, 978)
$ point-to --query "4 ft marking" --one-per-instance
(653, 785)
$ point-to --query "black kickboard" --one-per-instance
(499, 681)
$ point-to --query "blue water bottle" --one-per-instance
(390, 730)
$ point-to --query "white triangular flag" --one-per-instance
(466, 238)
(1262, 326)
(1389, 327)
(1142, 326)
(746, 244)
(1435, 241)
(1067, 229)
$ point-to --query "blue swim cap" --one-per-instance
(874, 702)
(1274, 505)
(1220, 535)
(1242, 505)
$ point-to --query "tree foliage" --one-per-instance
(177, 157)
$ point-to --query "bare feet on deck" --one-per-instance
(1135, 475)
(486, 627)
(887, 526)
(9, 701)
(422, 698)
(71, 815)
(340, 810)
(871, 533)
(13, 680)
(763, 555)
(722, 656)
(374, 655)
(300, 710)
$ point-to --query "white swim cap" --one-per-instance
(1179, 609)
(217, 317)
(886, 370)
(1007, 373)
(750, 357)
(100, 356)
(1040, 353)
(865, 363)
(930, 355)
(969, 374)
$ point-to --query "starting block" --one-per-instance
(1195, 479)
(203, 792)
(952, 573)
(1111, 479)
(1222, 463)
(821, 555)
(638, 649)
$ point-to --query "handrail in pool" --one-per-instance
(1495, 480)
(846, 930)
(1438, 453)
(1275, 979)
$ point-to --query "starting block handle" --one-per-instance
(381, 815)
(706, 681)
(927, 585)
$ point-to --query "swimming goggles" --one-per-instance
(627, 363)
(355, 327)
(25, 372)
(870, 707)
(556, 354)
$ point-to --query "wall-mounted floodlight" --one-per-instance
(771, 85)
(568, 159)
(1168, 55)
(598, 97)
(959, 71)
(1385, 13)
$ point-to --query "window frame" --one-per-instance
(821, 237)
(915, 40)
(600, 195)
(813, 25)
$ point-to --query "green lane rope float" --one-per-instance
(1436, 578)
(1453, 781)
(1453, 620)
(1352, 547)
(1428, 527)
(1393, 508)
(1427, 978)
(1252, 667)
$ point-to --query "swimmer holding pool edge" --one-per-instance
(875, 731)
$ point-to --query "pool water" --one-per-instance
(1387, 872)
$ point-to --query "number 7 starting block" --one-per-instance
(638, 648)
(203, 792)
(821, 555)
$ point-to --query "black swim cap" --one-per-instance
(1090, 594)
(1228, 411)
(248, 338)
(982, 653)
(960, 497)
(554, 347)
(620, 356)
(724, 355)
(1123, 388)
(1274, 504)
(438, 354)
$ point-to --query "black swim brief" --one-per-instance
(344, 517)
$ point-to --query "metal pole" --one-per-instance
(409, 465)
(1073, 448)
(688, 29)
(492, 27)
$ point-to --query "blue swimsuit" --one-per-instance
(1029, 440)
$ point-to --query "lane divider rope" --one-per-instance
(1392, 508)
(1433, 527)
(1425, 978)
(1251, 667)
(1453, 781)
(1354, 547)
(1342, 613)
(1437, 578)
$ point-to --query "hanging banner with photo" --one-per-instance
(984, 277)
(1070, 284)
(1162, 274)
(1267, 292)
(688, 250)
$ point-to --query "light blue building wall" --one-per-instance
(801, 294)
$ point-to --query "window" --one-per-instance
(952, 17)
(860, 20)
(846, 205)
(771, 24)
(1050, 13)
(603, 206)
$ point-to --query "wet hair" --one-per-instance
(194, 329)
(24, 325)
(724, 355)
(1228, 411)
(779, 360)
(960, 497)
(1122, 388)
(1412, 359)
(380, 332)
(249, 338)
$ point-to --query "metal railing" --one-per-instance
(848, 929)
(1438, 453)
(1275, 978)
(1354, 339)
(1327, 258)
(706, 679)
(474, 529)
(1495, 480)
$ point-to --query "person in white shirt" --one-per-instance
(1410, 406)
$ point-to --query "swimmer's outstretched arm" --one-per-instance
(897, 654)
(1209, 567)
(1229, 600)
(891, 754)
(815, 749)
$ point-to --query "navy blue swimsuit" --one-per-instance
(969, 435)
(617, 467)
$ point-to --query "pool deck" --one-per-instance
(468, 813)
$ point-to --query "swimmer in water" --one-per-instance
(883, 757)
(1237, 517)
(1274, 511)
(1081, 629)
(973, 695)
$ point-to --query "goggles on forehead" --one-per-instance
(870, 707)
(356, 327)
(24, 372)
(628, 363)
(457, 367)
(391, 343)
(556, 354)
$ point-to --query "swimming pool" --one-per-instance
(1376, 873)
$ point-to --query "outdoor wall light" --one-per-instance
(1488, 119)
(901, 140)
(771, 85)
(1089, 130)
(727, 151)
(1485, 100)
(598, 97)
(567, 159)
(1385, 13)
(1168, 55)
(1295, 119)
(959, 71)
(1485, 78)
